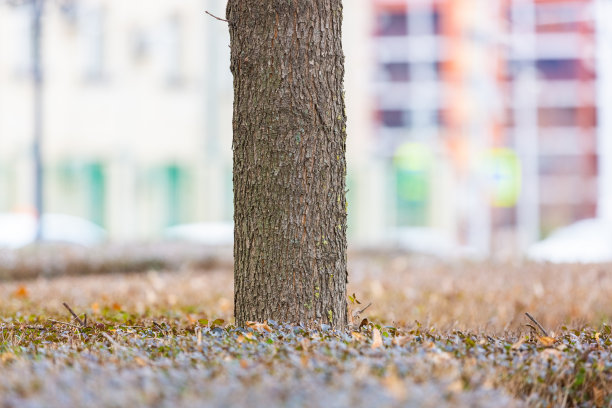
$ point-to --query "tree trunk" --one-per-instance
(289, 143)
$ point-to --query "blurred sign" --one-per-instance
(503, 167)
(412, 163)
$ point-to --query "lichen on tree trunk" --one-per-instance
(289, 147)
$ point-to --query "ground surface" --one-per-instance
(437, 334)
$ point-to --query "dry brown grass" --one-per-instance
(474, 296)
(458, 328)
(482, 296)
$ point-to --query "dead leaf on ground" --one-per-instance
(21, 292)
(547, 341)
(258, 326)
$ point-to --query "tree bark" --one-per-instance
(289, 147)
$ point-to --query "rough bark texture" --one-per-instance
(289, 161)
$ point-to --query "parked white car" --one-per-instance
(587, 241)
(18, 230)
(206, 233)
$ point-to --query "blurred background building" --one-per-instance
(475, 124)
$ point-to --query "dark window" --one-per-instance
(558, 69)
(392, 23)
(437, 23)
(394, 118)
(396, 71)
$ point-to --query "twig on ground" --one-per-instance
(358, 312)
(78, 319)
(32, 327)
(65, 323)
(213, 16)
(536, 323)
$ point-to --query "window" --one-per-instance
(92, 32)
(96, 182)
(23, 50)
(559, 69)
(394, 118)
(83, 188)
(172, 181)
(392, 23)
(437, 22)
(396, 71)
(171, 50)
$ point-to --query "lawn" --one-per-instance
(436, 334)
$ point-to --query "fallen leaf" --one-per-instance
(377, 339)
(116, 306)
(21, 292)
(258, 326)
(547, 341)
